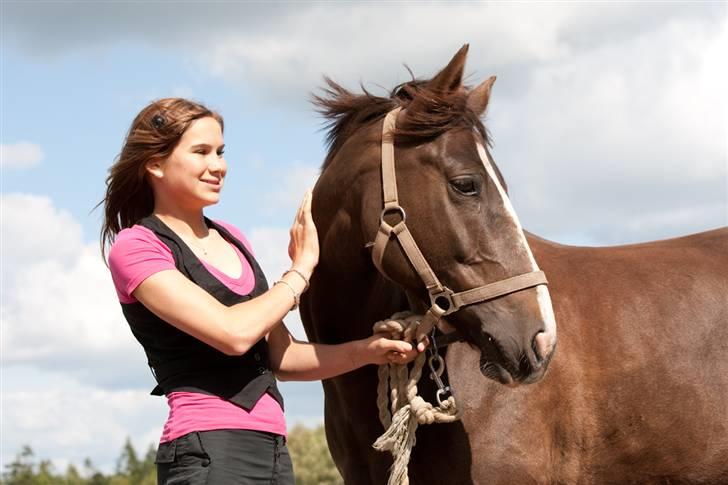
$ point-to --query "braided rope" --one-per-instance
(401, 410)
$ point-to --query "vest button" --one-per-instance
(261, 370)
(256, 356)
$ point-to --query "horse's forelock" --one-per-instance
(428, 112)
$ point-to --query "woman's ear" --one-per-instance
(155, 168)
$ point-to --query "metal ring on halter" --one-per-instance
(387, 210)
(443, 303)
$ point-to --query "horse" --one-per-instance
(634, 389)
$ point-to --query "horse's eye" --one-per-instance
(465, 185)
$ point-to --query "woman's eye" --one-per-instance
(220, 153)
(465, 185)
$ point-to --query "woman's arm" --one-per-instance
(293, 360)
(234, 329)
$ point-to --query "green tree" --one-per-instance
(45, 475)
(312, 461)
(128, 462)
(73, 477)
(130, 470)
(20, 471)
(95, 476)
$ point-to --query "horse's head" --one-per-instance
(456, 207)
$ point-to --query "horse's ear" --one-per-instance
(478, 98)
(451, 77)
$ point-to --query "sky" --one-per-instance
(609, 121)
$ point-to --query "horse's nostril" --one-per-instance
(534, 347)
(542, 345)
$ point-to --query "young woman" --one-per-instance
(198, 303)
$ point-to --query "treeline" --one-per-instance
(309, 452)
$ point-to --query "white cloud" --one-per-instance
(271, 251)
(283, 48)
(34, 231)
(293, 180)
(589, 97)
(625, 133)
(66, 421)
(20, 155)
(605, 115)
(60, 309)
(69, 313)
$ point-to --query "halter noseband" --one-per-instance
(443, 301)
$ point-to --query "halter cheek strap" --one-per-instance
(443, 301)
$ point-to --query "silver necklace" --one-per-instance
(204, 251)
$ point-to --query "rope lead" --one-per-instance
(398, 388)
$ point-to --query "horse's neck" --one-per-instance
(352, 303)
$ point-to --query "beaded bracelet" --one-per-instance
(296, 296)
(293, 270)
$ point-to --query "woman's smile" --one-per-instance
(215, 184)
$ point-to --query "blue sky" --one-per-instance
(94, 97)
(609, 124)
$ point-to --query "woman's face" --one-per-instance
(193, 174)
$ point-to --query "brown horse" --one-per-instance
(637, 391)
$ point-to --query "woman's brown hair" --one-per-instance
(154, 134)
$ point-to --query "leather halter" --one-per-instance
(443, 300)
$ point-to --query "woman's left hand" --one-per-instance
(378, 349)
(303, 247)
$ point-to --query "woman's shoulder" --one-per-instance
(136, 254)
(136, 241)
(135, 232)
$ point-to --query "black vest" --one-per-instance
(181, 362)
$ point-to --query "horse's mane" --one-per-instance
(429, 112)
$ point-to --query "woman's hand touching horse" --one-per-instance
(303, 248)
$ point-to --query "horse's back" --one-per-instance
(712, 244)
(692, 270)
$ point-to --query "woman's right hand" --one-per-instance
(303, 248)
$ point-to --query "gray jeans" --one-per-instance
(228, 456)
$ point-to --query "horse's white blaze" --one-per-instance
(542, 292)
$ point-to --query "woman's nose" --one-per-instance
(216, 165)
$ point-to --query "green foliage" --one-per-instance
(312, 463)
(130, 470)
(21, 471)
(309, 452)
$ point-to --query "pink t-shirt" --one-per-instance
(136, 254)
